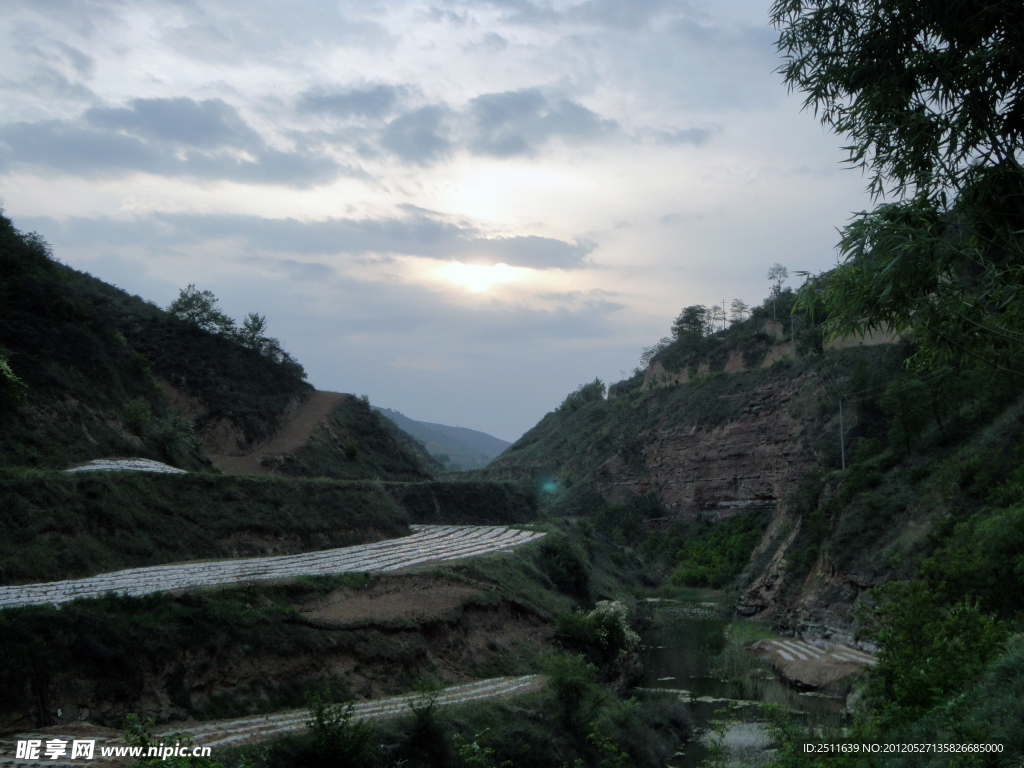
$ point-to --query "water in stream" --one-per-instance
(693, 644)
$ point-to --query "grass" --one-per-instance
(85, 350)
(465, 502)
(55, 525)
(358, 442)
(529, 729)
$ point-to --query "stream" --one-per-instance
(694, 644)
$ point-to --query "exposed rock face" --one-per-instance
(753, 461)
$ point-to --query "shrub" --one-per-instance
(12, 389)
(585, 393)
(336, 739)
(573, 681)
(928, 650)
(137, 415)
(719, 553)
(603, 633)
(566, 566)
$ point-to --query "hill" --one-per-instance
(89, 371)
(459, 447)
(840, 468)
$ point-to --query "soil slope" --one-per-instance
(294, 432)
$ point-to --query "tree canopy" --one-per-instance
(199, 309)
(931, 95)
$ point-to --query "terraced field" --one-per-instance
(428, 543)
(230, 733)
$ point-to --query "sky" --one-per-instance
(463, 210)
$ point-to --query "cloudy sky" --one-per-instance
(461, 209)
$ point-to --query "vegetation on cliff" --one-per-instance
(78, 353)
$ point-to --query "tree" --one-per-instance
(778, 274)
(252, 335)
(692, 321)
(199, 309)
(931, 96)
(648, 353)
(738, 311)
(716, 315)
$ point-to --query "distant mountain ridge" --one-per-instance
(465, 448)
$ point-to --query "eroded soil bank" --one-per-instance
(223, 653)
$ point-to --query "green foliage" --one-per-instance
(693, 322)
(717, 554)
(83, 349)
(602, 634)
(566, 566)
(12, 389)
(585, 393)
(930, 97)
(475, 755)
(56, 525)
(137, 415)
(174, 435)
(362, 444)
(929, 649)
(623, 523)
(464, 502)
(573, 682)
(199, 310)
(139, 733)
(337, 740)
(982, 558)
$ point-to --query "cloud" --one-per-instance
(375, 101)
(518, 122)
(210, 123)
(416, 235)
(695, 136)
(165, 137)
(621, 14)
(83, 63)
(494, 42)
(417, 136)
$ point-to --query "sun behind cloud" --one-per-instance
(479, 277)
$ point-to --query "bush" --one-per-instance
(336, 739)
(137, 415)
(12, 389)
(603, 634)
(573, 681)
(718, 554)
(566, 566)
(585, 393)
(982, 559)
(929, 650)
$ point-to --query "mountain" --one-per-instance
(798, 473)
(464, 448)
(88, 371)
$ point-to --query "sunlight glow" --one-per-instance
(480, 277)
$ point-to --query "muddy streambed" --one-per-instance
(694, 646)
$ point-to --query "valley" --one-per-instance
(194, 535)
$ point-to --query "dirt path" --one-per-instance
(223, 733)
(293, 434)
(428, 544)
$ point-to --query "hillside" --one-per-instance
(739, 425)
(463, 448)
(90, 371)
